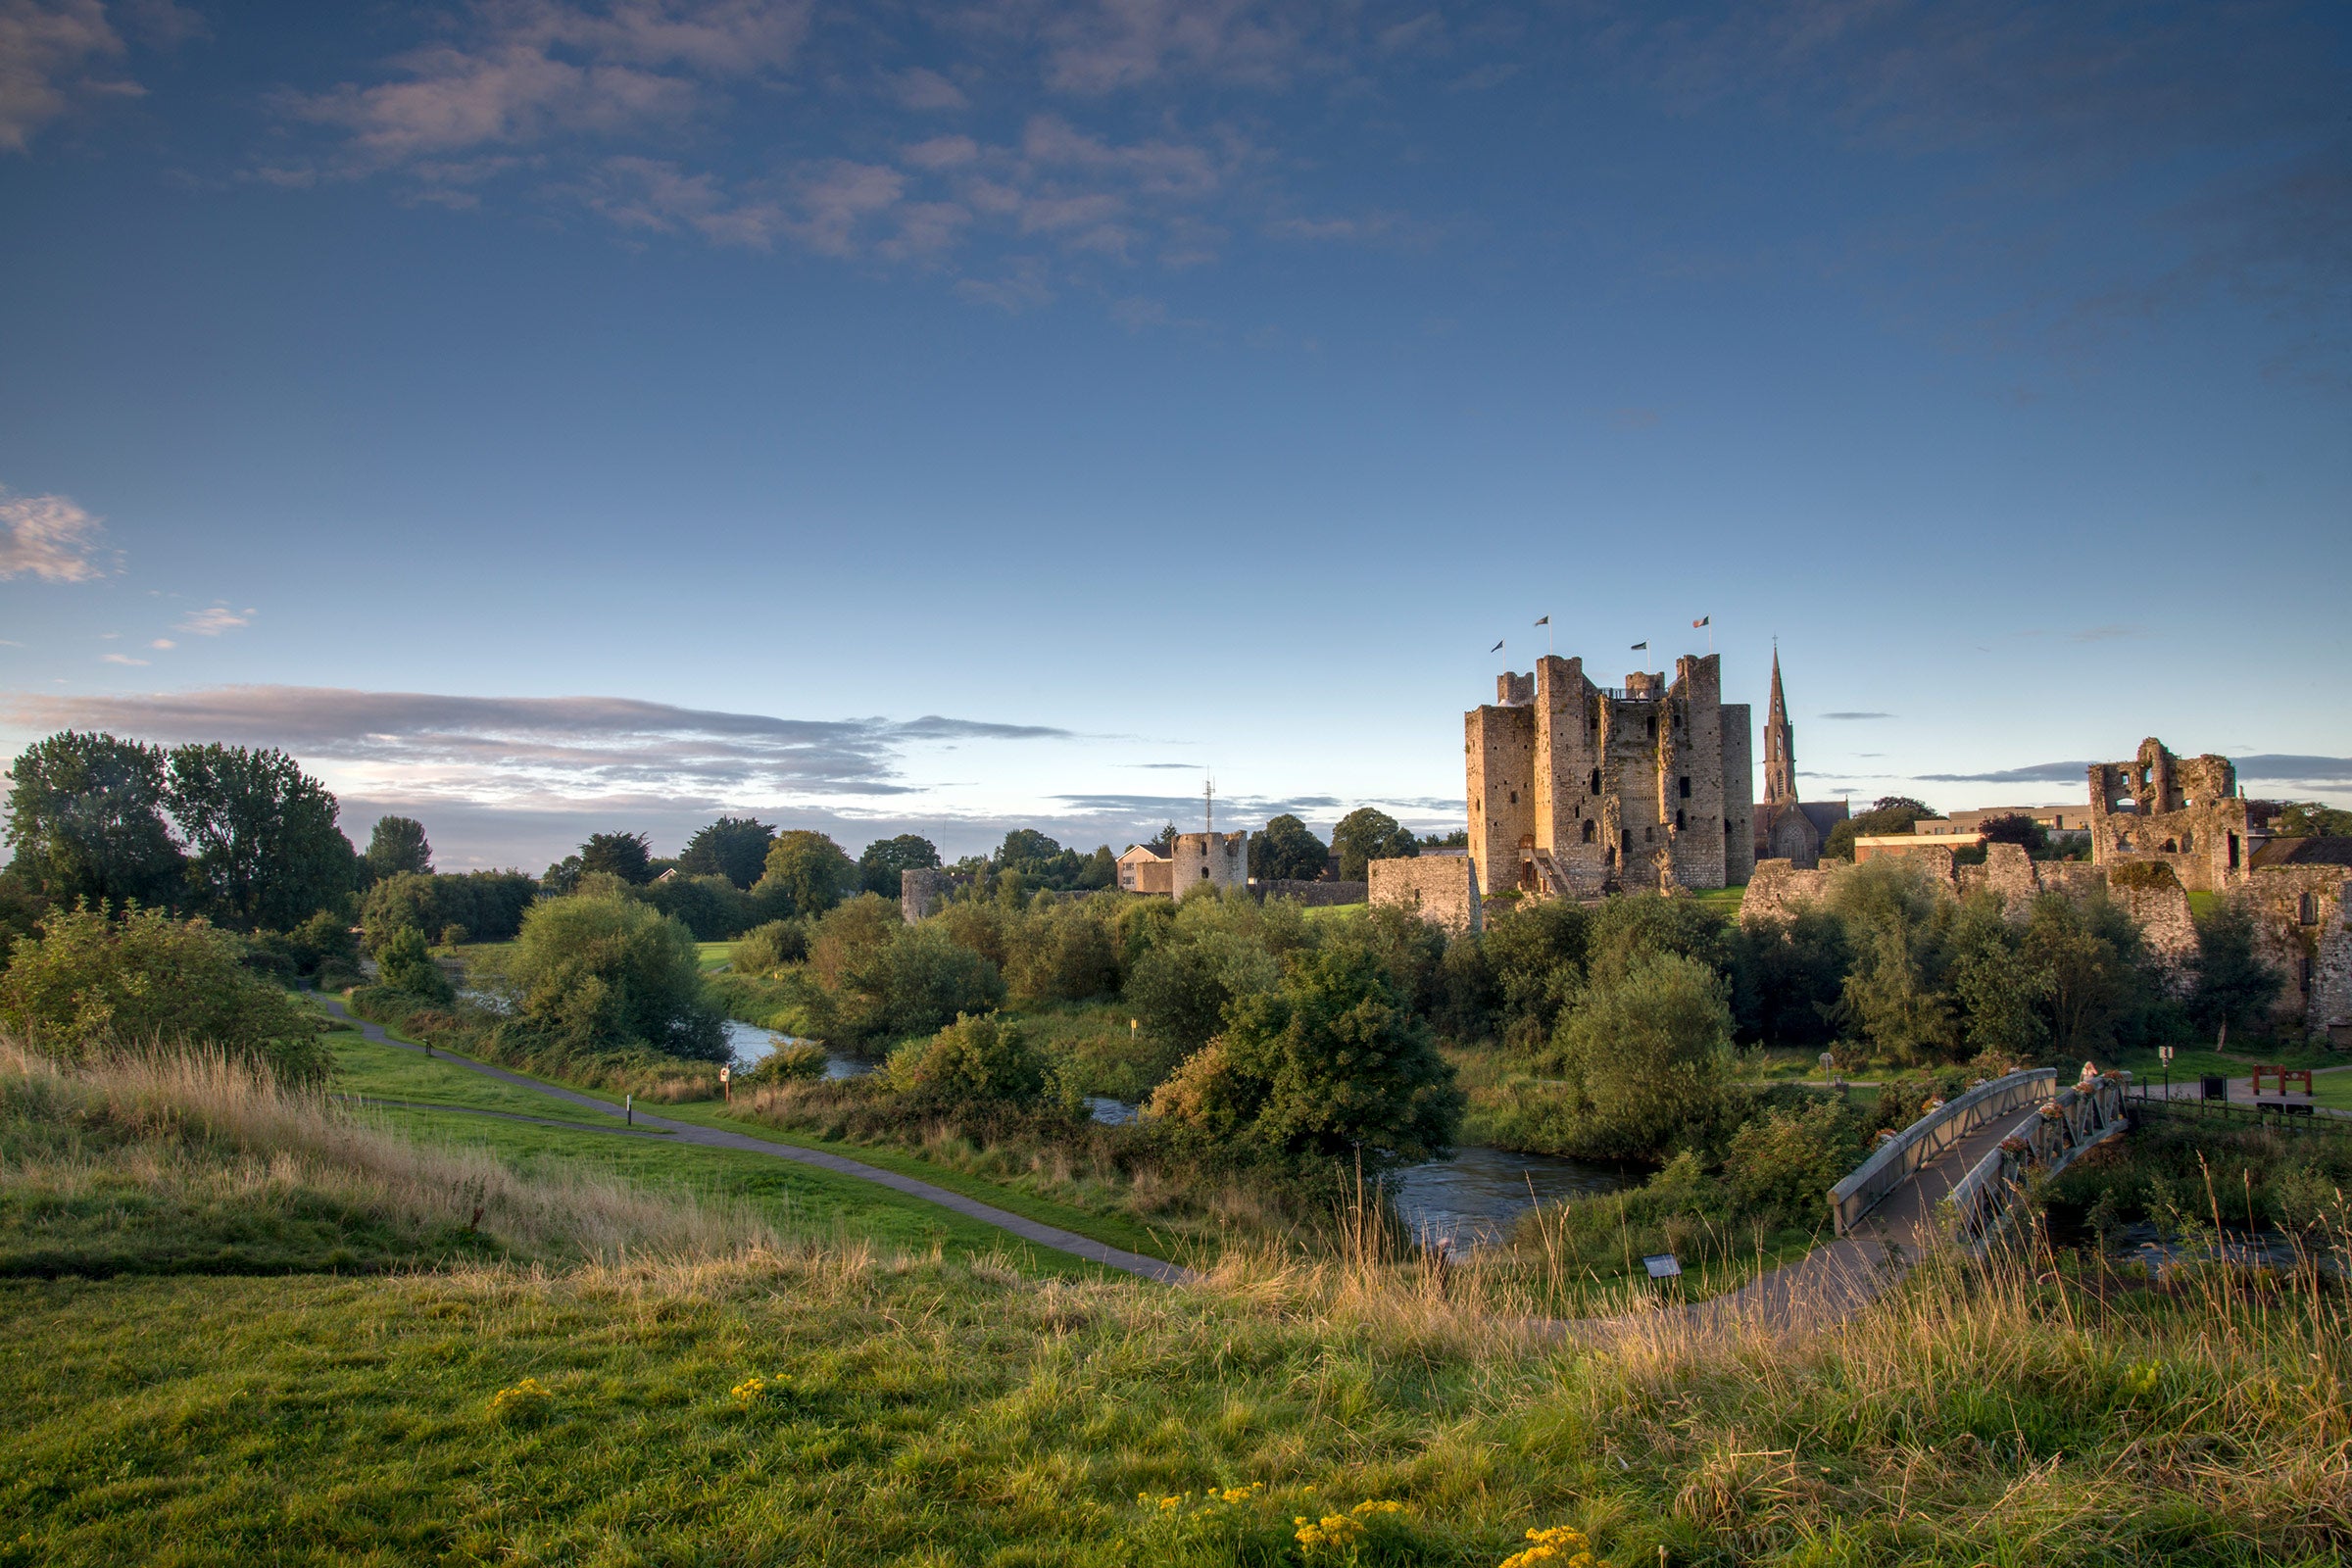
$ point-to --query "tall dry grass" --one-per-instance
(201, 1123)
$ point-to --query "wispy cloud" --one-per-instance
(2034, 773)
(1857, 714)
(49, 537)
(215, 620)
(119, 659)
(2104, 635)
(50, 52)
(549, 750)
(2276, 768)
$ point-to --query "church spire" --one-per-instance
(1780, 757)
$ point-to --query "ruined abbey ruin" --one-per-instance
(1577, 790)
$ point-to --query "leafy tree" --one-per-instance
(1067, 954)
(1180, 988)
(930, 980)
(1328, 1067)
(2091, 952)
(2312, 819)
(2020, 829)
(1890, 814)
(405, 965)
(713, 907)
(1035, 861)
(1459, 839)
(266, 849)
(1788, 977)
(806, 872)
(1365, 835)
(627, 856)
(1893, 994)
(92, 984)
(1286, 849)
(1163, 841)
(2001, 992)
(733, 846)
(1536, 951)
(2234, 985)
(885, 860)
(595, 976)
(398, 845)
(85, 815)
(1639, 925)
(986, 1060)
(1647, 1058)
(1100, 870)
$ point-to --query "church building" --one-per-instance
(1787, 828)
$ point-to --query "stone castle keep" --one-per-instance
(1577, 790)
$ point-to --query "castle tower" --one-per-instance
(1780, 757)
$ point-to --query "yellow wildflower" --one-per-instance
(1332, 1530)
(1372, 1505)
(750, 1390)
(527, 1398)
(1555, 1546)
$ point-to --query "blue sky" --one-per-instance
(544, 415)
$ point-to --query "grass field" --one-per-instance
(680, 1355)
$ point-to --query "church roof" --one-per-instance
(1823, 814)
(2303, 851)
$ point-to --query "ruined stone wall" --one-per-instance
(1738, 795)
(1154, 876)
(921, 893)
(1441, 889)
(2330, 1013)
(1776, 888)
(2295, 910)
(2184, 812)
(1499, 747)
(1567, 760)
(2156, 901)
(1317, 895)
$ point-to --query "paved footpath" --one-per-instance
(1838, 1277)
(1028, 1230)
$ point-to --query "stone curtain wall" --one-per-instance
(2311, 955)
(921, 893)
(1442, 889)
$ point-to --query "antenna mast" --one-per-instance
(1209, 803)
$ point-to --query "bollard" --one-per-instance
(628, 1108)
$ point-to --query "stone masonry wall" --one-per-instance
(2296, 911)
(1442, 889)
(1777, 888)
(921, 893)
(1317, 895)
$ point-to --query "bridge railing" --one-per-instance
(1986, 1198)
(1925, 1141)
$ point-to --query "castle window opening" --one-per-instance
(1682, 784)
(2172, 847)
(2304, 967)
(1588, 832)
(2124, 844)
(2232, 851)
(1596, 781)
(2307, 910)
(1678, 819)
(1652, 721)
(1514, 797)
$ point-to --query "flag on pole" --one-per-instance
(1545, 621)
(1700, 621)
(1497, 649)
(1641, 648)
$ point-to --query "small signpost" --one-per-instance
(2164, 1053)
(628, 1108)
(724, 1092)
(1665, 1271)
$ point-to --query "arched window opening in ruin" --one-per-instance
(2232, 851)
(2307, 910)
(2172, 846)
(1204, 873)
(1683, 786)
(2122, 845)
(2306, 968)
(1588, 832)
(1649, 835)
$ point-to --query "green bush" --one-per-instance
(765, 949)
(1646, 1059)
(404, 964)
(91, 983)
(597, 975)
(796, 1062)
(986, 1060)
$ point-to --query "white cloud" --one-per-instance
(119, 659)
(926, 91)
(531, 70)
(215, 620)
(51, 538)
(47, 48)
(163, 642)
